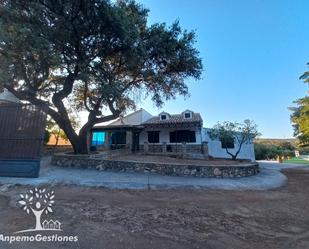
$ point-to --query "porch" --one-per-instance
(116, 137)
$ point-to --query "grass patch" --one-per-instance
(296, 160)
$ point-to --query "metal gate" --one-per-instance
(21, 139)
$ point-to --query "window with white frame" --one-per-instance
(163, 117)
(188, 115)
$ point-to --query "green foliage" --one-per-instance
(300, 119)
(239, 133)
(300, 116)
(92, 56)
(271, 148)
(296, 160)
(268, 151)
(305, 76)
(304, 150)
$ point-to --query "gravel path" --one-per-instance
(170, 218)
(270, 177)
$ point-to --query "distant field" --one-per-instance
(296, 160)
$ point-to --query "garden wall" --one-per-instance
(106, 164)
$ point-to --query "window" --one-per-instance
(98, 138)
(188, 115)
(182, 136)
(227, 143)
(119, 137)
(153, 136)
(163, 117)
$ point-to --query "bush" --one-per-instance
(304, 150)
(271, 151)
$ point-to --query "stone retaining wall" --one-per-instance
(105, 164)
(51, 149)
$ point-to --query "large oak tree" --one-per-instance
(300, 116)
(91, 55)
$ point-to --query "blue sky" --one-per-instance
(253, 54)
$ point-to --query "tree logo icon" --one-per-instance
(39, 202)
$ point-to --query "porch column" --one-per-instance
(129, 140)
(107, 137)
(205, 148)
(164, 147)
(146, 147)
(184, 148)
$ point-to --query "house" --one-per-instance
(122, 133)
(51, 225)
(163, 133)
(173, 130)
(140, 127)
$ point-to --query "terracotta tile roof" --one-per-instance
(174, 119)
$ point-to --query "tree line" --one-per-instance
(300, 116)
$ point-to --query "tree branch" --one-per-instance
(85, 96)
(232, 155)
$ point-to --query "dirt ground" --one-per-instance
(170, 159)
(182, 219)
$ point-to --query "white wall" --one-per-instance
(214, 146)
(135, 118)
(145, 115)
(215, 149)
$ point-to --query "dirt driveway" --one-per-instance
(141, 219)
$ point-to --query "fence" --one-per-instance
(21, 131)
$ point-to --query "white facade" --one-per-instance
(215, 148)
(135, 118)
(164, 135)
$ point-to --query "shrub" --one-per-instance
(304, 150)
(271, 151)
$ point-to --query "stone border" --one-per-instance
(103, 163)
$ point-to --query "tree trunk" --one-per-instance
(57, 137)
(79, 141)
(37, 214)
(232, 155)
(80, 144)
